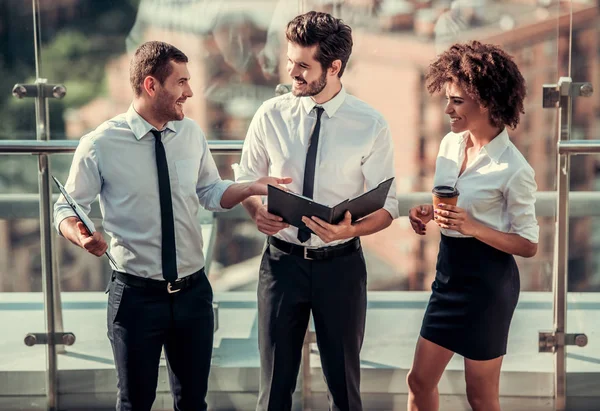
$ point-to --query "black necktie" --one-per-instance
(169, 253)
(309, 170)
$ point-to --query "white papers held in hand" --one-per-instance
(83, 217)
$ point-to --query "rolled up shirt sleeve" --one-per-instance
(210, 187)
(83, 184)
(520, 204)
(379, 166)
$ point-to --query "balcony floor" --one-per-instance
(87, 379)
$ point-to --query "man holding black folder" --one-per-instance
(152, 170)
(333, 146)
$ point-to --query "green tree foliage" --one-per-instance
(74, 52)
(70, 59)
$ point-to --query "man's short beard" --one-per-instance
(164, 108)
(313, 88)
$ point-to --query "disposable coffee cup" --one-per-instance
(445, 195)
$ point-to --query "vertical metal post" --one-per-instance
(561, 249)
(45, 189)
(48, 286)
(561, 96)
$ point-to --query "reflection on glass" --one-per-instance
(16, 66)
(19, 237)
(394, 42)
(584, 242)
(237, 51)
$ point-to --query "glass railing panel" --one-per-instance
(233, 68)
(87, 47)
(17, 65)
(585, 125)
(583, 298)
(236, 62)
(583, 306)
(22, 368)
(393, 45)
(82, 44)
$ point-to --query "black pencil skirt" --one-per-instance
(473, 299)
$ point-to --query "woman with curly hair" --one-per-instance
(476, 287)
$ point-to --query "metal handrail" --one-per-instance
(579, 147)
(581, 204)
(68, 146)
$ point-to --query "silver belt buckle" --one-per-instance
(170, 290)
(306, 257)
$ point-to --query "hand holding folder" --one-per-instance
(83, 217)
(292, 207)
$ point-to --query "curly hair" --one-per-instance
(332, 37)
(487, 74)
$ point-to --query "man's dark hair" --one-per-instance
(487, 74)
(152, 59)
(332, 37)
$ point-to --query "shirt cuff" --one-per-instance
(242, 175)
(391, 206)
(246, 179)
(219, 189)
(60, 215)
(531, 233)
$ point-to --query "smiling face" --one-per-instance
(167, 104)
(464, 112)
(309, 78)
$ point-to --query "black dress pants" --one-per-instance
(143, 320)
(335, 290)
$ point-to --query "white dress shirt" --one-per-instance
(354, 151)
(117, 161)
(497, 188)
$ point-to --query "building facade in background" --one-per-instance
(237, 58)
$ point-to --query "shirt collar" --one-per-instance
(331, 106)
(494, 148)
(141, 127)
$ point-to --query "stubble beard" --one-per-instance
(166, 108)
(313, 88)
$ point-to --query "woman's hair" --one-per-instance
(487, 74)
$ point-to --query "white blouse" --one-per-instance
(497, 188)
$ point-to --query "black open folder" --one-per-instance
(292, 207)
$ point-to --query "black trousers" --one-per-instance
(335, 290)
(143, 320)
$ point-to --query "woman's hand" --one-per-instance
(419, 216)
(455, 218)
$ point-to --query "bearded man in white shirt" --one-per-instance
(333, 146)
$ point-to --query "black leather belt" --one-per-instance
(141, 282)
(323, 253)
